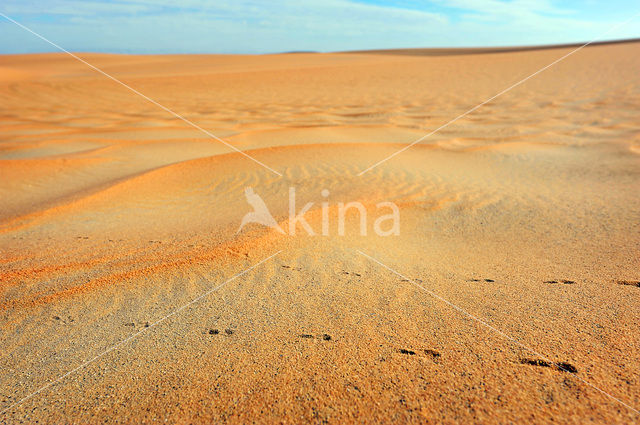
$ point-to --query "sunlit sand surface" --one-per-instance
(525, 214)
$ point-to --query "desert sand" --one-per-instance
(525, 214)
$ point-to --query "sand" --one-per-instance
(525, 214)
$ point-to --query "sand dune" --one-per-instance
(524, 213)
(484, 50)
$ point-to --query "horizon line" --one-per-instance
(426, 51)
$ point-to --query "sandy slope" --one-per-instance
(114, 214)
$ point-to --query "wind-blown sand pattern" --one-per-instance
(525, 213)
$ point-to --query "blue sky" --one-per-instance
(264, 26)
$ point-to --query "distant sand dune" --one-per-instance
(484, 50)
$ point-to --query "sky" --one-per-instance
(271, 26)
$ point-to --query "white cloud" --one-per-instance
(281, 25)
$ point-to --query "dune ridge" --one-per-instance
(446, 51)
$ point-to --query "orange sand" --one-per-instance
(114, 213)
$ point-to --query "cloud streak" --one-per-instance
(249, 26)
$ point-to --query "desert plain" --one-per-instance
(127, 294)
